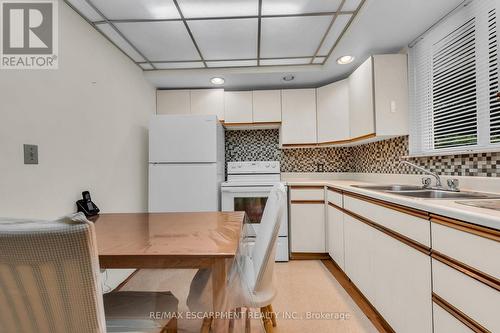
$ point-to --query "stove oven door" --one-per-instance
(252, 200)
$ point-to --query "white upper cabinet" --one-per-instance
(266, 106)
(362, 118)
(378, 97)
(208, 102)
(298, 116)
(390, 74)
(333, 112)
(238, 107)
(173, 102)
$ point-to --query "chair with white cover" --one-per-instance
(50, 283)
(253, 269)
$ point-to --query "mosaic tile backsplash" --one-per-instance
(376, 157)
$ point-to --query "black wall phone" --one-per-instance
(86, 206)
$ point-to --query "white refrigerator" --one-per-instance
(186, 163)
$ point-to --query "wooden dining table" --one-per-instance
(172, 240)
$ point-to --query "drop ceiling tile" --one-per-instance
(86, 10)
(218, 8)
(146, 66)
(137, 9)
(179, 65)
(226, 39)
(292, 36)
(287, 61)
(319, 60)
(160, 41)
(334, 33)
(232, 63)
(280, 7)
(107, 30)
(351, 5)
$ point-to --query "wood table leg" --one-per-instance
(219, 292)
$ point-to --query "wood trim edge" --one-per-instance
(331, 143)
(333, 189)
(256, 124)
(459, 315)
(402, 209)
(308, 202)
(357, 296)
(347, 141)
(477, 275)
(391, 233)
(470, 228)
(298, 145)
(331, 204)
(308, 256)
(307, 187)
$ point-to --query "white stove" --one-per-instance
(247, 188)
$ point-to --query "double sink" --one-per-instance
(426, 193)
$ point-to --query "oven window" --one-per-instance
(254, 207)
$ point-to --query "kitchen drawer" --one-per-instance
(334, 197)
(446, 323)
(313, 193)
(476, 251)
(475, 299)
(411, 226)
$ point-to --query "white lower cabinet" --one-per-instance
(384, 250)
(358, 243)
(473, 298)
(393, 276)
(307, 227)
(446, 323)
(335, 229)
(402, 284)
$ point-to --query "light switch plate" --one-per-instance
(30, 154)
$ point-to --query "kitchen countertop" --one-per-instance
(445, 207)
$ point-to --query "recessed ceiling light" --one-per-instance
(288, 77)
(217, 80)
(345, 60)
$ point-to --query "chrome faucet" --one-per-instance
(426, 181)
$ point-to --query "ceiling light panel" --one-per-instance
(86, 10)
(137, 9)
(160, 41)
(287, 61)
(280, 7)
(107, 30)
(351, 5)
(179, 65)
(334, 33)
(232, 63)
(292, 36)
(218, 8)
(226, 39)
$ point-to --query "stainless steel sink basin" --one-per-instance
(437, 194)
(389, 187)
(422, 193)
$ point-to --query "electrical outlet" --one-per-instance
(30, 154)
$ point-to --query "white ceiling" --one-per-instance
(296, 37)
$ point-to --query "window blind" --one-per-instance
(454, 83)
(494, 77)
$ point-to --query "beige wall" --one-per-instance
(89, 119)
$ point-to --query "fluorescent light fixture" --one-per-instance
(344, 60)
(217, 80)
